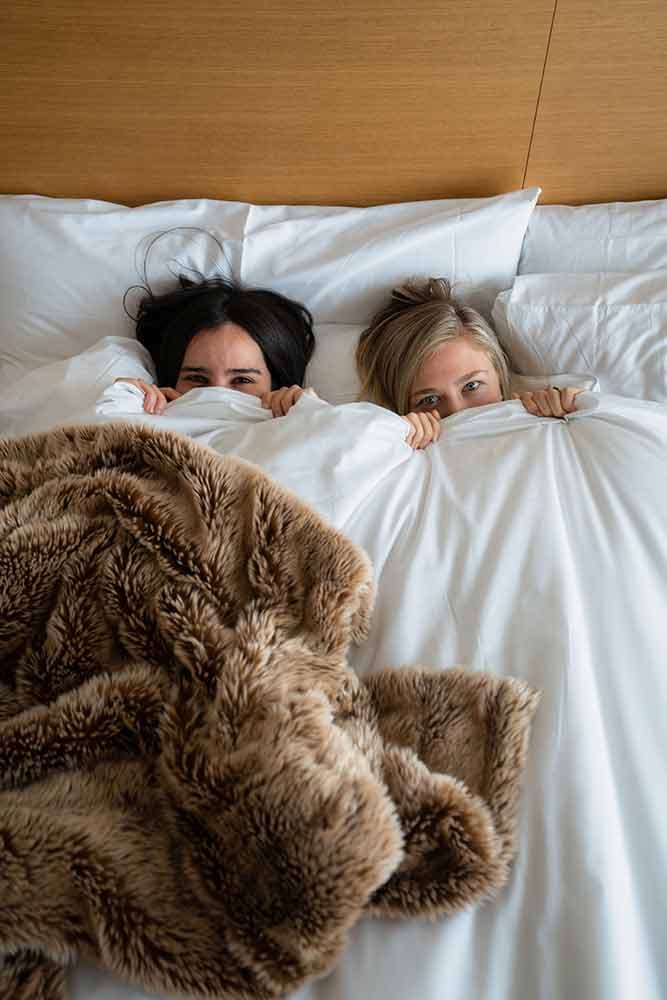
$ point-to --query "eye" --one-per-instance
(429, 401)
(242, 380)
(197, 379)
(473, 385)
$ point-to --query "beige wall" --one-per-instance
(344, 101)
(600, 131)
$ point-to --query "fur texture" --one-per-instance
(195, 789)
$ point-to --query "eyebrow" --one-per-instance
(228, 371)
(463, 379)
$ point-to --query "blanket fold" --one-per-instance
(196, 791)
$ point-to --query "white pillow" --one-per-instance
(343, 262)
(618, 236)
(611, 325)
(65, 264)
(332, 371)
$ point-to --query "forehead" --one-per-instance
(452, 360)
(223, 343)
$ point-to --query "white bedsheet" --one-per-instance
(524, 546)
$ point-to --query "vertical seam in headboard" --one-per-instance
(539, 93)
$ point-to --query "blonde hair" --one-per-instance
(420, 318)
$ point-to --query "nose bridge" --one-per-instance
(218, 375)
(451, 402)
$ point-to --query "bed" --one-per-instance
(517, 547)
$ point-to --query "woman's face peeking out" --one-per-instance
(456, 376)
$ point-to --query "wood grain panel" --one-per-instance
(344, 101)
(600, 131)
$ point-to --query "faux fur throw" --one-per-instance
(196, 791)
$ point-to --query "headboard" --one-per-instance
(350, 102)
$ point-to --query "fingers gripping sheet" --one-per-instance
(523, 546)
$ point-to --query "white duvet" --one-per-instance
(523, 546)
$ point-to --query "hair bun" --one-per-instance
(419, 291)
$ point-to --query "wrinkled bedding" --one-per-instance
(521, 546)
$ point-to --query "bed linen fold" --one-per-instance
(527, 547)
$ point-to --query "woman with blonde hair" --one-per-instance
(426, 356)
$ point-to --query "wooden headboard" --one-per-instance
(338, 101)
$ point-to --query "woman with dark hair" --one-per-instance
(213, 332)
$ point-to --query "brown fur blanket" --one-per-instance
(195, 789)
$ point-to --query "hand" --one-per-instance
(424, 428)
(281, 400)
(551, 402)
(155, 399)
